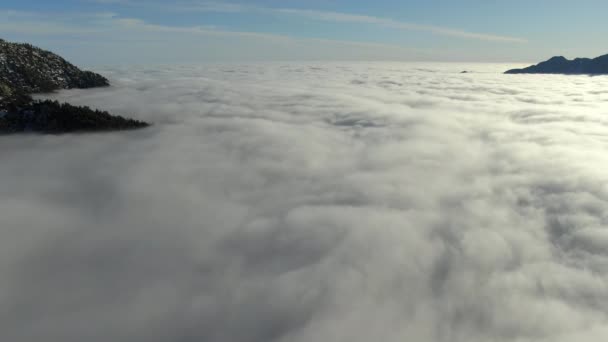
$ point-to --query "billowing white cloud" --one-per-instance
(313, 202)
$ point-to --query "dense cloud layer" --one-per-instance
(360, 202)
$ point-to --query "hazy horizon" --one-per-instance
(110, 32)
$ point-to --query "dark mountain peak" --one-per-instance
(562, 65)
(557, 59)
(603, 58)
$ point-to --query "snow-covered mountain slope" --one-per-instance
(26, 69)
(30, 69)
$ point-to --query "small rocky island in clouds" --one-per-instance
(561, 65)
(25, 69)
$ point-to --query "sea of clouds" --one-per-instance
(313, 202)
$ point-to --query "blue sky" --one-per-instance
(95, 32)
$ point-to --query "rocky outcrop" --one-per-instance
(561, 65)
(33, 70)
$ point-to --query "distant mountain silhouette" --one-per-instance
(561, 65)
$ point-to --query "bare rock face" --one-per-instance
(561, 65)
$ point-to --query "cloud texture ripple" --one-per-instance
(314, 202)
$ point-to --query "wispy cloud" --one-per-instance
(200, 6)
(59, 23)
(104, 30)
(23, 22)
(141, 25)
(336, 17)
(385, 22)
(216, 7)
